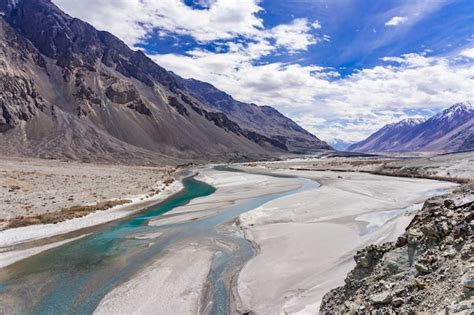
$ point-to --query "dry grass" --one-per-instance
(168, 181)
(63, 214)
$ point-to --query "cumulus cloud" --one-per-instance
(396, 20)
(347, 108)
(133, 20)
(294, 36)
(468, 53)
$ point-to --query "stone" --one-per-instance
(430, 230)
(397, 302)
(362, 261)
(397, 260)
(449, 240)
(414, 236)
(381, 298)
(419, 283)
(468, 280)
(401, 241)
(352, 307)
(467, 251)
(450, 252)
(461, 307)
(445, 228)
(448, 203)
(422, 268)
(399, 291)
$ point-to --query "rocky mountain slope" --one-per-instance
(264, 120)
(447, 131)
(70, 91)
(429, 268)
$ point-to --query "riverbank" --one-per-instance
(309, 238)
(22, 242)
(428, 270)
(46, 191)
(188, 285)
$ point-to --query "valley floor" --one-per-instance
(304, 241)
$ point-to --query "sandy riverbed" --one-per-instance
(171, 285)
(175, 282)
(306, 241)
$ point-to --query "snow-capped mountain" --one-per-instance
(340, 145)
(447, 131)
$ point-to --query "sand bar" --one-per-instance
(309, 238)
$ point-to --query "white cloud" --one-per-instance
(133, 20)
(396, 20)
(294, 36)
(348, 108)
(316, 25)
(469, 53)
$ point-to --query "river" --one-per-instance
(73, 278)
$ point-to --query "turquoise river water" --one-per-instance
(73, 278)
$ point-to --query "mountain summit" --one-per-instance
(70, 91)
(450, 130)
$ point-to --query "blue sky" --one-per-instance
(340, 68)
(357, 30)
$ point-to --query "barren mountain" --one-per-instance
(264, 120)
(70, 91)
(448, 131)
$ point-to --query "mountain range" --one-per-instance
(450, 130)
(70, 91)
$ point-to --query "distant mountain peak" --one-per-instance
(458, 109)
(409, 122)
(450, 130)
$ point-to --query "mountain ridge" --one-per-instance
(85, 95)
(446, 131)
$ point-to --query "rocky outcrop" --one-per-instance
(19, 101)
(124, 93)
(430, 268)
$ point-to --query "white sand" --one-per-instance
(231, 188)
(307, 240)
(171, 285)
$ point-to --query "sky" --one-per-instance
(340, 68)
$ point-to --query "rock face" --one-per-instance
(429, 269)
(70, 91)
(448, 131)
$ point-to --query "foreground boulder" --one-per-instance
(429, 269)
